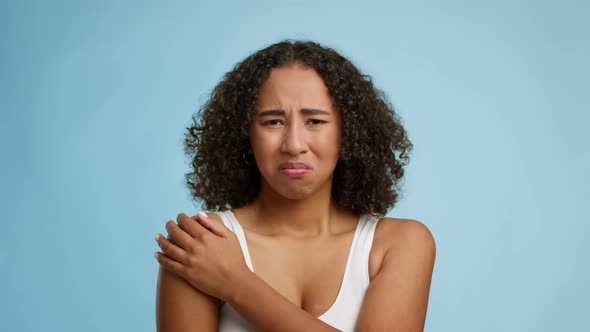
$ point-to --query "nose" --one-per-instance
(294, 141)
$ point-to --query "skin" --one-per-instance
(291, 219)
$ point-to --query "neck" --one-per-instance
(308, 217)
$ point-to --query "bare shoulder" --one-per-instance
(399, 233)
(405, 232)
(400, 237)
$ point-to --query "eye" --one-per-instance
(316, 121)
(271, 122)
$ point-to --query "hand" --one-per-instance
(203, 252)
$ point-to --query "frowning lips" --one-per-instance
(294, 165)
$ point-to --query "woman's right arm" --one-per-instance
(183, 308)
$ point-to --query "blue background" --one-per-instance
(95, 96)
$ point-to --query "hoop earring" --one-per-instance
(345, 156)
(244, 158)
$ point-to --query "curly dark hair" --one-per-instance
(374, 149)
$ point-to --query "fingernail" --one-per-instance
(156, 255)
(157, 237)
(202, 214)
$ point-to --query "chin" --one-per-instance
(292, 191)
(294, 195)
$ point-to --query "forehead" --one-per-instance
(294, 85)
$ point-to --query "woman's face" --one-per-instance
(295, 132)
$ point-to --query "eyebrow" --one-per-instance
(306, 111)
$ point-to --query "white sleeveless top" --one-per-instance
(345, 310)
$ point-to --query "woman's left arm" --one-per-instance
(397, 296)
(208, 255)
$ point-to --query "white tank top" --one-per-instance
(345, 310)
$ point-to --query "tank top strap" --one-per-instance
(362, 249)
(232, 223)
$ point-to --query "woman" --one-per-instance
(300, 156)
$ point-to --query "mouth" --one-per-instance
(294, 169)
(294, 166)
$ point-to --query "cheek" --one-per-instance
(263, 145)
(329, 141)
(331, 137)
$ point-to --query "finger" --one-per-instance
(178, 236)
(190, 225)
(169, 264)
(204, 221)
(212, 225)
(171, 250)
